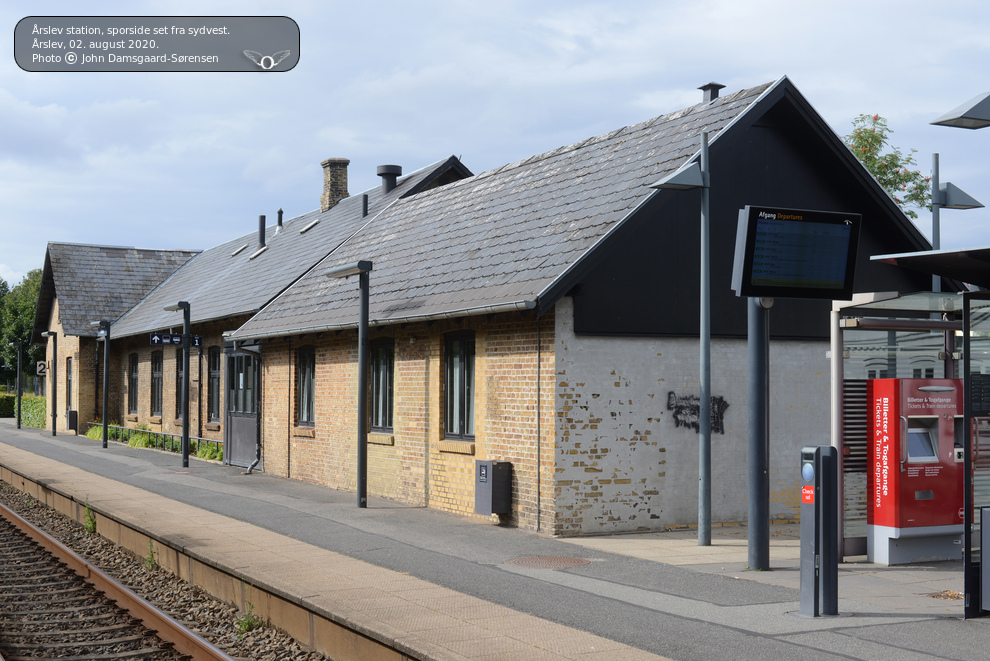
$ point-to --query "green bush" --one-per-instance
(95, 432)
(210, 451)
(33, 411)
(8, 405)
(138, 439)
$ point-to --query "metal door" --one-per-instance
(241, 432)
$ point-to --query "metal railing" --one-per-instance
(147, 438)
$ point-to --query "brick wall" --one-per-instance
(170, 421)
(416, 464)
(627, 437)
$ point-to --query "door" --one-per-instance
(241, 432)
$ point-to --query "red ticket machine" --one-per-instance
(915, 470)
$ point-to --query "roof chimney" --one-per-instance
(389, 173)
(261, 231)
(278, 228)
(711, 91)
(334, 182)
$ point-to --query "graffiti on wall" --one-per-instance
(686, 409)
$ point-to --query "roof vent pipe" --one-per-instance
(279, 227)
(711, 91)
(389, 173)
(261, 231)
(364, 205)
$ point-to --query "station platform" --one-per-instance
(431, 585)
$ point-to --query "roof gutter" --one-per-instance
(463, 312)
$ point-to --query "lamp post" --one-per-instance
(104, 334)
(54, 379)
(696, 175)
(974, 114)
(17, 345)
(184, 306)
(360, 269)
(947, 196)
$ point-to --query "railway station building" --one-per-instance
(544, 313)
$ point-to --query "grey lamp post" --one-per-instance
(54, 379)
(945, 196)
(17, 345)
(104, 334)
(184, 306)
(696, 175)
(974, 114)
(361, 269)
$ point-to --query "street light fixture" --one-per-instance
(104, 334)
(974, 114)
(361, 269)
(20, 388)
(54, 379)
(184, 306)
(696, 175)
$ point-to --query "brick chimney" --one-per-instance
(334, 182)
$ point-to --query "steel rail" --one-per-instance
(182, 639)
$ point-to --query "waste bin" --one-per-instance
(72, 420)
(492, 487)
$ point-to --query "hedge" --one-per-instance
(8, 405)
(33, 411)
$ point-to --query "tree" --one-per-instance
(17, 320)
(892, 170)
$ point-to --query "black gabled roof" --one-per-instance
(501, 239)
(233, 279)
(98, 282)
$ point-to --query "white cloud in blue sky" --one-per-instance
(188, 160)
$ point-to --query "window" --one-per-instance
(156, 383)
(459, 386)
(240, 384)
(382, 366)
(213, 390)
(132, 384)
(179, 380)
(68, 384)
(306, 386)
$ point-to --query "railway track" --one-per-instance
(56, 605)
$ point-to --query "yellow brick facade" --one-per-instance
(416, 463)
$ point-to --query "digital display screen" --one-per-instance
(921, 446)
(795, 253)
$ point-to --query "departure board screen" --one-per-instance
(795, 253)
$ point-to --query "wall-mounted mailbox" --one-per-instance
(492, 487)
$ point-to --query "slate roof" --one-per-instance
(230, 279)
(98, 282)
(498, 240)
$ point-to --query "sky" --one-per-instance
(191, 159)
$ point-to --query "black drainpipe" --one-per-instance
(257, 409)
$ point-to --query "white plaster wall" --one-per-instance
(622, 461)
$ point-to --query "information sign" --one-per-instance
(795, 253)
